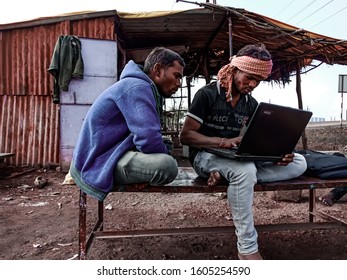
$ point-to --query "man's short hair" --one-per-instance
(163, 56)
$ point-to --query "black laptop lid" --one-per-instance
(273, 130)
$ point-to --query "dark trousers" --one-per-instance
(339, 192)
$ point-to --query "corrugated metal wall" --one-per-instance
(29, 121)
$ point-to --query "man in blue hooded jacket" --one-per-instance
(120, 141)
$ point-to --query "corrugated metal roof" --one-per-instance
(29, 121)
(75, 16)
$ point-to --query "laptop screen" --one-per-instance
(273, 130)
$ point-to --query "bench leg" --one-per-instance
(312, 204)
(84, 243)
(101, 215)
(82, 226)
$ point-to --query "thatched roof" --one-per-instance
(202, 37)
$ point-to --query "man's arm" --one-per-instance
(191, 137)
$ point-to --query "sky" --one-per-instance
(325, 17)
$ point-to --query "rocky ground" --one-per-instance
(42, 223)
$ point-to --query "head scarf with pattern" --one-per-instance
(246, 64)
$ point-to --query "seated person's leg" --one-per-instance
(334, 195)
(270, 172)
(241, 177)
(137, 167)
(339, 192)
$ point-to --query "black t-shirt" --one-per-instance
(218, 117)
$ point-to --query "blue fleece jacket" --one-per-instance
(122, 118)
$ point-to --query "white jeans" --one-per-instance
(242, 176)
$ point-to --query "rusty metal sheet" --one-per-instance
(29, 121)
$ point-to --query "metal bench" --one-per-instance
(5, 155)
(187, 181)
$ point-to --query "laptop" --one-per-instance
(272, 132)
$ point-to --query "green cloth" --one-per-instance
(66, 63)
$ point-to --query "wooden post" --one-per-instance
(300, 104)
(230, 36)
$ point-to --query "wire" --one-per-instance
(284, 8)
(302, 10)
(315, 11)
(329, 17)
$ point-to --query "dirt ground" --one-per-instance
(42, 223)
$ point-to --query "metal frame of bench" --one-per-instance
(5, 155)
(188, 182)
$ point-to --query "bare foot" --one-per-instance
(327, 199)
(254, 256)
(215, 179)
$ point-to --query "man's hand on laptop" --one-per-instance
(229, 143)
(286, 160)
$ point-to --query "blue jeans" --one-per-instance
(242, 176)
(137, 167)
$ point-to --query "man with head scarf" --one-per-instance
(215, 118)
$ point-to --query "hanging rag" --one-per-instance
(66, 63)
